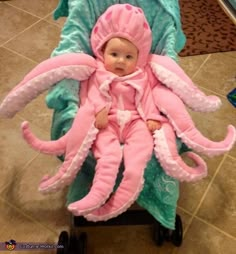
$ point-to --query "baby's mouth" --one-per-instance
(119, 69)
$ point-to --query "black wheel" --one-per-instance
(78, 244)
(83, 243)
(64, 242)
(158, 234)
(177, 234)
(73, 246)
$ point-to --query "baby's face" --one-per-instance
(120, 56)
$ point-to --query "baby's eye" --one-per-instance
(129, 57)
(114, 54)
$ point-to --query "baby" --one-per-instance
(124, 118)
(120, 58)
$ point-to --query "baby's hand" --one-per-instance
(153, 125)
(101, 119)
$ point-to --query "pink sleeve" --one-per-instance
(95, 96)
(150, 110)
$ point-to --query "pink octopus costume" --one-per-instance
(170, 88)
(130, 105)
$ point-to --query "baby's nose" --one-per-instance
(121, 59)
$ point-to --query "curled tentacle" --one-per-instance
(57, 147)
(45, 75)
(79, 141)
(172, 76)
(185, 128)
(70, 167)
(167, 154)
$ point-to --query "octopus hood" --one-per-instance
(128, 23)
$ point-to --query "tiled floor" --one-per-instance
(208, 208)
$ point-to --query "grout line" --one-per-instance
(29, 27)
(18, 8)
(17, 208)
(206, 222)
(17, 53)
(212, 92)
(27, 216)
(204, 195)
(216, 228)
(16, 35)
(184, 210)
(195, 74)
(52, 22)
(23, 167)
(231, 157)
(202, 87)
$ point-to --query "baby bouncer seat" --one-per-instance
(159, 196)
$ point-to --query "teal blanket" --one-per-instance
(160, 193)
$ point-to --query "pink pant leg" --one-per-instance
(108, 153)
(138, 147)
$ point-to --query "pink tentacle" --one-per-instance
(70, 166)
(57, 147)
(172, 106)
(120, 201)
(136, 154)
(80, 139)
(172, 76)
(45, 75)
(102, 187)
(167, 154)
(203, 145)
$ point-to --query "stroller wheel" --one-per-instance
(78, 245)
(158, 234)
(73, 246)
(82, 242)
(64, 241)
(177, 234)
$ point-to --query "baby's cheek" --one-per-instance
(108, 65)
(132, 68)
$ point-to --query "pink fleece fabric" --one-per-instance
(125, 21)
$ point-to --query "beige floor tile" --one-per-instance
(13, 68)
(38, 113)
(124, 239)
(214, 125)
(218, 73)
(37, 7)
(233, 152)
(191, 193)
(38, 42)
(231, 53)
(192, 64)
(10, 16)
(23, 193)
(15, 153)
(203, 238)
(185, 218)
(219, 206)
(20, 228)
